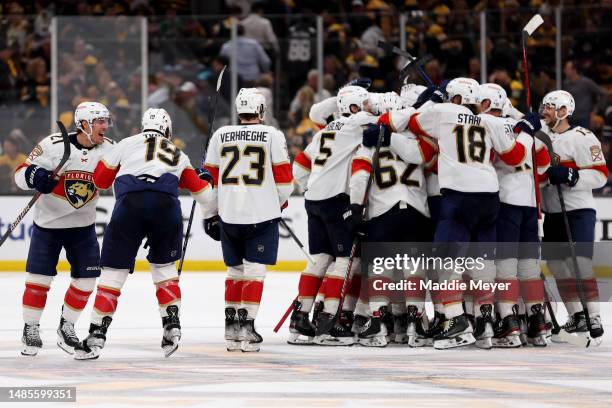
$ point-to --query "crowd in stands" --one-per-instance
(189, 42)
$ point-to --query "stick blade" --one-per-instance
(533, 24)
(220, 78)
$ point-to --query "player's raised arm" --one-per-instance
(35, 172)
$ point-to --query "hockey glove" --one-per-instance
(432, 93)
(40, 179)
(361, 81)
(562, 175)
(353, 217)
(529, 124)
(205, 175)
(212, 227)
(370, 135)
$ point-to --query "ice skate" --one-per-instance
(536, 327)
(67, 339)
(340, 334)
(376, 332)
(457, 333)
(359, 324)
(248, 336)
(232, 330)
(172, 331)
(436, 326)
(523, 326)
(301, 330)
(507, 332)
(31, 340)
(484, 327)
(89, 349)
(415, 330)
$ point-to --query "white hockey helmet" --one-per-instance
(467, 88)
(252, 101)
(351, 95)
(559, 99)
(157, 120)
(494, 93)
(383, 102)
(90, 111)
(410, 93)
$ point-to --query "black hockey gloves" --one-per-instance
(212, 227)
(40, 179)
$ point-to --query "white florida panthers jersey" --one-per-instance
(72, 203)
(577, 148)
(516, 185)
(324, 167)
(466, 144)
(149, 161)
(252, 173)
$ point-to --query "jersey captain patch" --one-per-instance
(79, 188)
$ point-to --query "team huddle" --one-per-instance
(452, 165)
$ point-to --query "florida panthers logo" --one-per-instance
(79, 188)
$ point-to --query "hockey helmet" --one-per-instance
(494, 93)
(466, 88)
(559, 99)
(90, 111)
(410, 93)
(351, 95)
(251, 101)
(157, 120)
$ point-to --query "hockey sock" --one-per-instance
(415, 293)
(108, 292)
(252, 287)
(166, 280)
(233, 286)
(76, 298)
(35, 296)
(532, 292)
(311, 279)
(333, 285)
(507, 298)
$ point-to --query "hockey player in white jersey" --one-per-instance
(64, 217)
(517, 255)
(323, 168)
(251, 168)
(398, 198)
(579, 167)
(470, 198)
(146, 170)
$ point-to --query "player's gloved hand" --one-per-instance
(558, 175)
(529, 124)
(212, 227)
(361, 81)
(432, 93)
(40, 179)
(205, 175)
(353, 217)
(371, 132)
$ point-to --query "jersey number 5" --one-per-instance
(476, 143)
(324, 151)
(166, 151)
(258, 164)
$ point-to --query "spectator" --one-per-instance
(259, 28)
(588, 95)
(10, 159)
(251, 58)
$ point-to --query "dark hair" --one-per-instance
(257, 6)
(240, 29)
(248, 116)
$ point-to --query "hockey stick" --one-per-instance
(412, 61)
(64, 159)
(563, 335)
(533, 24)
(211, 119)
(325, 329)
(297, 240)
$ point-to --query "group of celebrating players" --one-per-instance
(451, 164)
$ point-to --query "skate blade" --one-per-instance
(512, 341)
(29, 351)
(248, 347)
(170, 348)
(485, 343)
(84, 355)
(327, 340)
(401, 339)
(300, 340)
(232, 345)
(415, 341)
(459, 341)
(62, 345)
(380, 341)
(582, 339)
(539, 341)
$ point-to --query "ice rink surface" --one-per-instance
(133, 371)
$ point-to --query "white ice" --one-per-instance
(133, 371)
